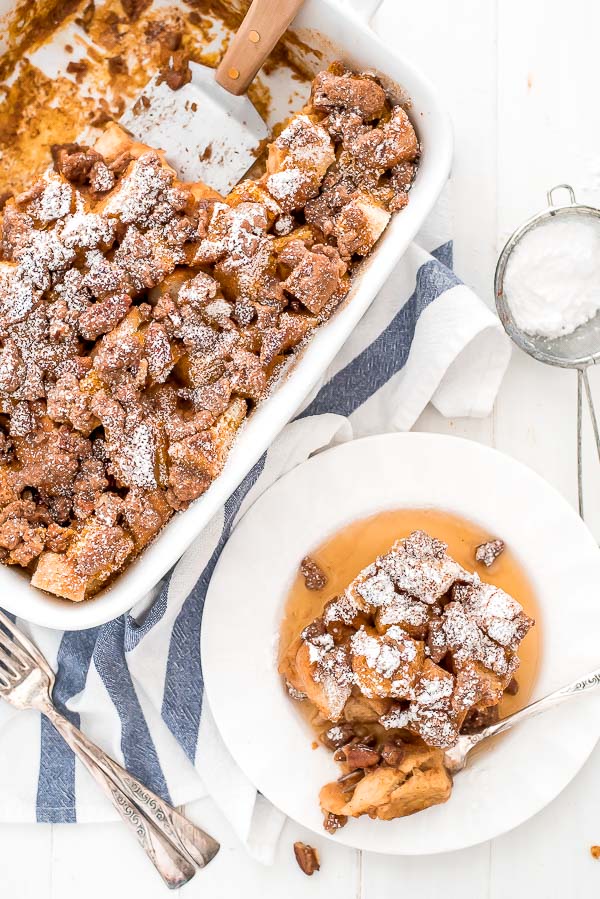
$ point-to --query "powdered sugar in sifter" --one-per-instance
(578, 349)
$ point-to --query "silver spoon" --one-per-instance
(455, 759)
(577, 350)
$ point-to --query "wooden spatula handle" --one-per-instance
(265, 22)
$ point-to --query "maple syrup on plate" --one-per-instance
(344, 554)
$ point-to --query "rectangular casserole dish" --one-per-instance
(336, 32)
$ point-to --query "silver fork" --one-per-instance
(175, 846)
(455, 758)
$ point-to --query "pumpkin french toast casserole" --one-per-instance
(414, 651)
(141, 319)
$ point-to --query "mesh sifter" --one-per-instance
(577, 350)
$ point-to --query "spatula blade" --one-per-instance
(207, 134)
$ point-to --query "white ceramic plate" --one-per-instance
(265, 733)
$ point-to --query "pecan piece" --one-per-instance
(360, 756)
(314, 576)
(315, 629)
(489, 552)
(74, 161)
(513, 687)
(332, 822)
(307, 858)
(393, 754)
(368, 740)
(177, 71)
(337, 736)
(477, 719)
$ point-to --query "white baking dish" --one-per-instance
(338, 33)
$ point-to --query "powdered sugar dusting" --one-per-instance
(421, 567)
(87, 230)
(344, 608)
(471, 628)
(140, 190)
(54, 201)
(377, 590)
(402, 608)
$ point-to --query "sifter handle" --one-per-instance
(583, 384)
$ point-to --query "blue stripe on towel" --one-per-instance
(139, 752)
(135, 632)
(184, 685)
(56, 784)
(445, 254)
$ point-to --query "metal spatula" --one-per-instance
(208, 130)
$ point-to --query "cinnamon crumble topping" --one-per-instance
(141, 320)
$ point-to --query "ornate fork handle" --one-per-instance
(173, 844)
(590, 681)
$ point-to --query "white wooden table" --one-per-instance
(519, 78)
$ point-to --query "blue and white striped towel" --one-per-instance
(135, 684)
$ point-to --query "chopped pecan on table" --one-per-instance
(487, 553)
(314, 576)
(595, 851)
(307, 858)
